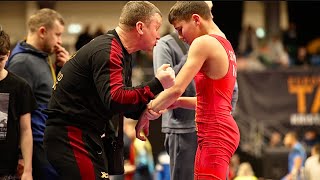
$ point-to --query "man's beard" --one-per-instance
(48, 49)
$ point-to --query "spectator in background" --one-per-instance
(303, 58)
(277, 54)
(310, 138)
(178, 124)
(99, 31)
(290, 41)
(313, 48)
(30, 60)
(139, 163)
(296, 158)
(275, 140)
(312, 166)
(248, 41)
(129, 136)
(163, 167)
(16, 104)
(84, 37)
(141, 152)
(234, 166)
(245, 172)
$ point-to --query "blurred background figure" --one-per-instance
(234, 166)
(275, 140)
(84, 37)
(303, 58)
(139, 164)
(143, 158)
(277, 54)
(310, 138)
(99, 31)
(245, 172)
(248, 41)
(290, 40)
(296, 158)
(312, 166)
(163, 167)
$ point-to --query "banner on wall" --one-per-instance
(280, 99)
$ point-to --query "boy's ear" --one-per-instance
(195, 18)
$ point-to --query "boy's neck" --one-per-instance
(3, 74)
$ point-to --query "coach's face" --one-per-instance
(151, 33)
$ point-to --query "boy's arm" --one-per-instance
(26, 143)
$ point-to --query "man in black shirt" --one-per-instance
(94, 85)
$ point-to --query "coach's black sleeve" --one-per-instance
(107, 67)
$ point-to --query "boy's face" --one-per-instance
(186, 30)
(3, 60)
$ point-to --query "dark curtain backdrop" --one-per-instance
(228, 16)
(306, 16)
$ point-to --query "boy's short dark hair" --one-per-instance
(4, 43)
(183, 10)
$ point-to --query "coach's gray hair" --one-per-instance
(135, 11)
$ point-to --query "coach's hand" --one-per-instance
(166, 76)
(142, 125)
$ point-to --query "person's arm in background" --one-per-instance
(297, 164)
(235, 95)
(184, 102)
(26, 144)
(27, 103)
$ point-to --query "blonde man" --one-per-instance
(30, 60)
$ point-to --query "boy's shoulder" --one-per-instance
(18, 81)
